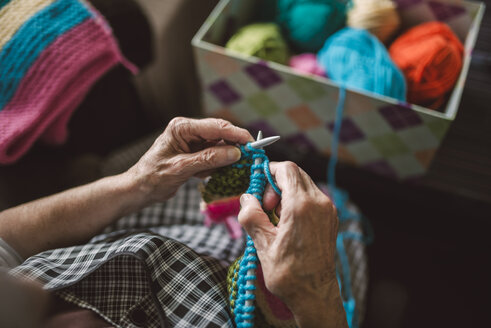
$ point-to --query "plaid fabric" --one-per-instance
(178, 280)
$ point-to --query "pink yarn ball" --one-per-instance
(307, 63)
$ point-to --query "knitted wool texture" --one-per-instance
(308, 23)
(231, 181)
(51, 53)
(356, 59)
(379, 17)
(263, 40)
(430, 55)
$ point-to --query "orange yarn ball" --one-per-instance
(430, 56)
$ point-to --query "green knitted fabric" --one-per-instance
(227, 181)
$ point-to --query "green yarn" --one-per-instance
(308, 23)
(263, 40)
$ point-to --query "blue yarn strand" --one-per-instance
(340, 199)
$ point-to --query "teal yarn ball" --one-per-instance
(308, 23)
(356, 59)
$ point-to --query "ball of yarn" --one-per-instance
(357, 59)
(308, 23)
(430, 55)
(307, 63)
(379, 17)
(263, 40)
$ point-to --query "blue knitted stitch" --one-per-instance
(21, 51)
(244, 315)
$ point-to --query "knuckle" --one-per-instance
(290, 166)
(208, 157)
(222, 124)
(177, 121)
(179, 124)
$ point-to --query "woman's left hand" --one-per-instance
(187, 147)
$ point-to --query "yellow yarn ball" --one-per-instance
(379, 17)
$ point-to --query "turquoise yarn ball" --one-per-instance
(308, 23)
(356, 59)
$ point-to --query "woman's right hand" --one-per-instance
(297, 256)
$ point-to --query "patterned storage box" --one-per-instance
(378, 133)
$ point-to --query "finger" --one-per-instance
(255, 221)
(208, 159)
(288, 178)
(270, 198)
(209, 129)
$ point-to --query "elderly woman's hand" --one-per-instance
(297, 256)
(186, 148)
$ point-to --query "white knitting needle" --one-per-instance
(260, 143)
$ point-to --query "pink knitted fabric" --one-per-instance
(55, 85)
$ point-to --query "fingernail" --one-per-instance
(243, 199)
(233, 154)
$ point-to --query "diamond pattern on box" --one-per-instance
(438, 128)
(224, 92)
(349, 131)
(364, 151)
(389, 145)
(345, 155)
(300, 141)
(306, 89)
(303, 117)
(223, 66)
(372, 123)
(418, 138)
(263, 126)
(262, 103)
(281, 122)
(425, 156)
(444, 12)
(320, 137)
(407, 166)
(263, 75)
(400, 117)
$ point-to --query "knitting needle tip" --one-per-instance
(264, 142)
(259, 135)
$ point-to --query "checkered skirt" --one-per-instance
(161, 263)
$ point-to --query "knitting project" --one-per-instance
(51, 53)
(244, 286)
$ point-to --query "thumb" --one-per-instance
(210, 158)
(255, 221)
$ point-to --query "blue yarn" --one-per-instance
(244, 315)
(308, 23)
(357, 59)
(340, 199)
(20, 52)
